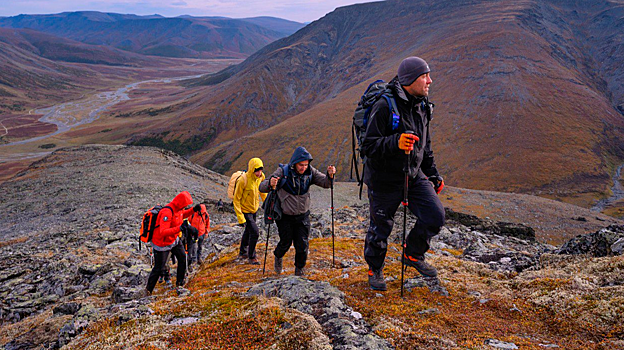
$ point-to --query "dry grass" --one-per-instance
(564, 303)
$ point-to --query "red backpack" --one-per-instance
(149, 223)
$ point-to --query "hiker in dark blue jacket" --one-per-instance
(293, 182)
(386, 147)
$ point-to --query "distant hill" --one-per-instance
(195, 37)
(33, 67)
(527, 94)
(60, 49)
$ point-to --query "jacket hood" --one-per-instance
(181, 200)
(203, 209)
(254, 163)
(299, 155)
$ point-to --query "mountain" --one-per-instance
(73, 275)
(66, 50)
(39, 67)
(279, 25)
(196, 37)
(528, 94)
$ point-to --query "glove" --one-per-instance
(197, 208)
(406, 142)
(438, 183)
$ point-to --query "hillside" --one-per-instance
(190, 37)
(73, 273)
(526, 93)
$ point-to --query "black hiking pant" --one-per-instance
(160, 262)
(195, 250)
(422, 202)
(293, 230)
(250, 236)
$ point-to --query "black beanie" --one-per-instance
(411, 68)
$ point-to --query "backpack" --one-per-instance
(233, 182)
(272, 207)
(376, 90)
(285, 183)
(149, 223)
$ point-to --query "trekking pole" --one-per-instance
(268, 215)
(332, 218)
(405, 203)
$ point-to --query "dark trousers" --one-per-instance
(422, 202)
(294, 230)
(250, 236)
(160, 262)
(200, 242)
(195, 250)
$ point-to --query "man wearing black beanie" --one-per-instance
(397, 143)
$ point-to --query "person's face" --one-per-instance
(420, 86)
(258, 173)
(301, 167)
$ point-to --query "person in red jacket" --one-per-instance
(201, 221)
(166, 239)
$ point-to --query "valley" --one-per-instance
(31, 135)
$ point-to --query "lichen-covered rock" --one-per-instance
(605, 242)
(326, 304)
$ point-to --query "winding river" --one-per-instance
(617, 189)
(69, 115)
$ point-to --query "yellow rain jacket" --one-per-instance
(246, 194)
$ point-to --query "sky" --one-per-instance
(294, 10)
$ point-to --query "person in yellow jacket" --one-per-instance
(246, 202)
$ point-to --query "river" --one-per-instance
(69, 115)
(617, 189)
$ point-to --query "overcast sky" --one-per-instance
(294, 10)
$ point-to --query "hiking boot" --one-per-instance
(277, 265)
(242, 257)
(299, 272)
(161, 279)
(420, 265)
(376, 280)
(253, 261)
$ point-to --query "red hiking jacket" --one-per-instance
(201, 220)
(168, 223)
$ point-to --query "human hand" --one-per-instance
(407, 141)
(197, 208)
(438, 183)
(273, 182)
(331, 170)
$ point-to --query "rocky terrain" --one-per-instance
(72, 273)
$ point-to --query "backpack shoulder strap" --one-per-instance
(394, 110)
(284, 175)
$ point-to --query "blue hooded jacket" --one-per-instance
(293, 188)
(293, 182)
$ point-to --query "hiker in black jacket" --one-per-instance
(385, 147)
(293, 181)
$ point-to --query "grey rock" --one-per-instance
(326, 304)
(124, 294)
(597, 244)
(500, 344)
(618, 246)
(66, 309)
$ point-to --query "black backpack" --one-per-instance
(361, 117)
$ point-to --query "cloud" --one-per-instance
(179, 3)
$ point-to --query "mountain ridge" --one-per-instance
(184, 36)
